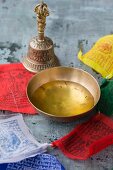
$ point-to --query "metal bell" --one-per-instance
(41, 49)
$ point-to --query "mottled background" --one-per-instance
(71, 24)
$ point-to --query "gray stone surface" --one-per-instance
(71, 23)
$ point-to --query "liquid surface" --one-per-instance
(63, 98)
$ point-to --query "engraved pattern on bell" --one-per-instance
(41, 45)
(38, 56)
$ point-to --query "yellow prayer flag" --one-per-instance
(100, 57)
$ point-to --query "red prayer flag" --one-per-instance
(88, 138)
(13, 82)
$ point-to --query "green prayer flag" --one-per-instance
(105, 104)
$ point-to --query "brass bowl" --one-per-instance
(63, 93)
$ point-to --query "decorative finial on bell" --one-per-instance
(41, 50)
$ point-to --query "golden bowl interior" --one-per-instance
(63, 92)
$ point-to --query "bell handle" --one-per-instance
(42, 12)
